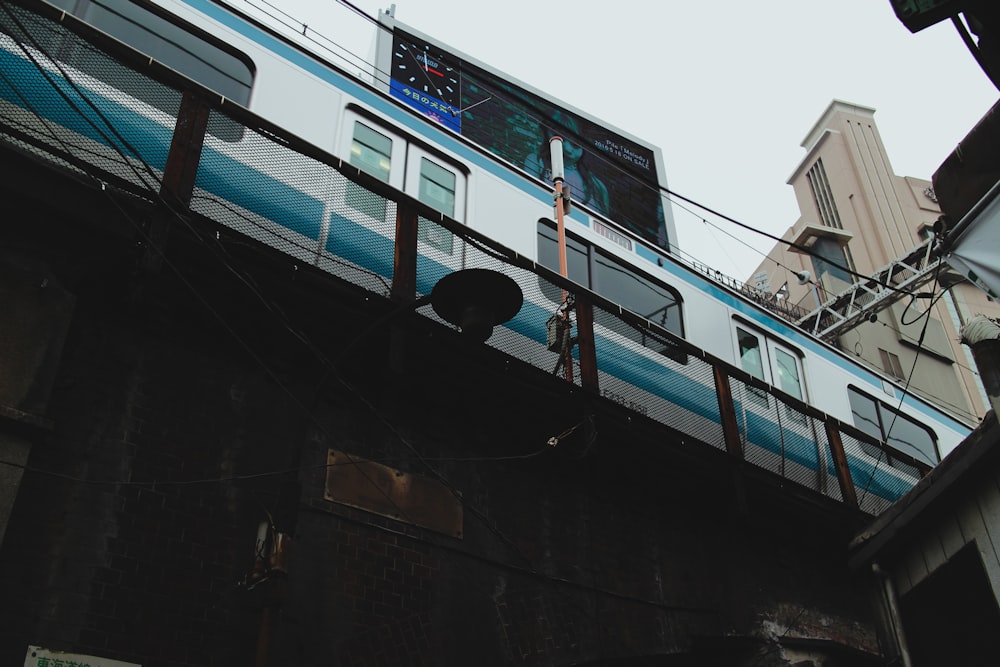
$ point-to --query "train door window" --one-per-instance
(786, 371)
(436, 188)
(189, 51)
(787, 374)
(893, 428)
(439, 185)
(752, 361)
(374, 153)
(371, 151)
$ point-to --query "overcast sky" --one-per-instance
(726, 89)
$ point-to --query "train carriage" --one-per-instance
(308, 209)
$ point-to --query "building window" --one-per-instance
(823, 196)
(890, 363)
(830, 261)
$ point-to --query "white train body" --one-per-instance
(320, 103)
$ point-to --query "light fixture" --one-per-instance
(476, 300)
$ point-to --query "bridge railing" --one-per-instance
(201, 161)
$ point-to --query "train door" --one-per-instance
(773, 430)
(441, 185)
(362, 225)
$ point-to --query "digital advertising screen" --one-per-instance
(606, 172)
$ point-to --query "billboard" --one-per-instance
(613, 175)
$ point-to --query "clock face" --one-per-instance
(424, 71)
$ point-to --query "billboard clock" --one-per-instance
(421, 78)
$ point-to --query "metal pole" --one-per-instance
(556, 151)
(556, 158)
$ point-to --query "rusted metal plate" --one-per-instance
(388, 492)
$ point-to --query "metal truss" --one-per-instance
(864, 300)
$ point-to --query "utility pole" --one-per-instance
(560, 197)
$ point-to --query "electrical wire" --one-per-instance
(896, 413)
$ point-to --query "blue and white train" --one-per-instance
(366, 125)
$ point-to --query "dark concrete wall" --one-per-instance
(621, 543)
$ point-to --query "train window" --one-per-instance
(652, 300)
(437, 187)
(892, 427)
(371, 152)
(440, 186)
(197, 56)
(577, 258)
(643, 296)
(617, 282)
(751, 361)
(787, 373)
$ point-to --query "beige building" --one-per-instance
(856, 213)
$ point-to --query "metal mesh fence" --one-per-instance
(647, 370)
(64, 105)
(299, 205)
(879, 478)
(95, 115)
(778, 436)
(775, 435)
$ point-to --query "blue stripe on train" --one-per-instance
(266, 196)
(92, 116)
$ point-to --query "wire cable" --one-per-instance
(896, 413)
